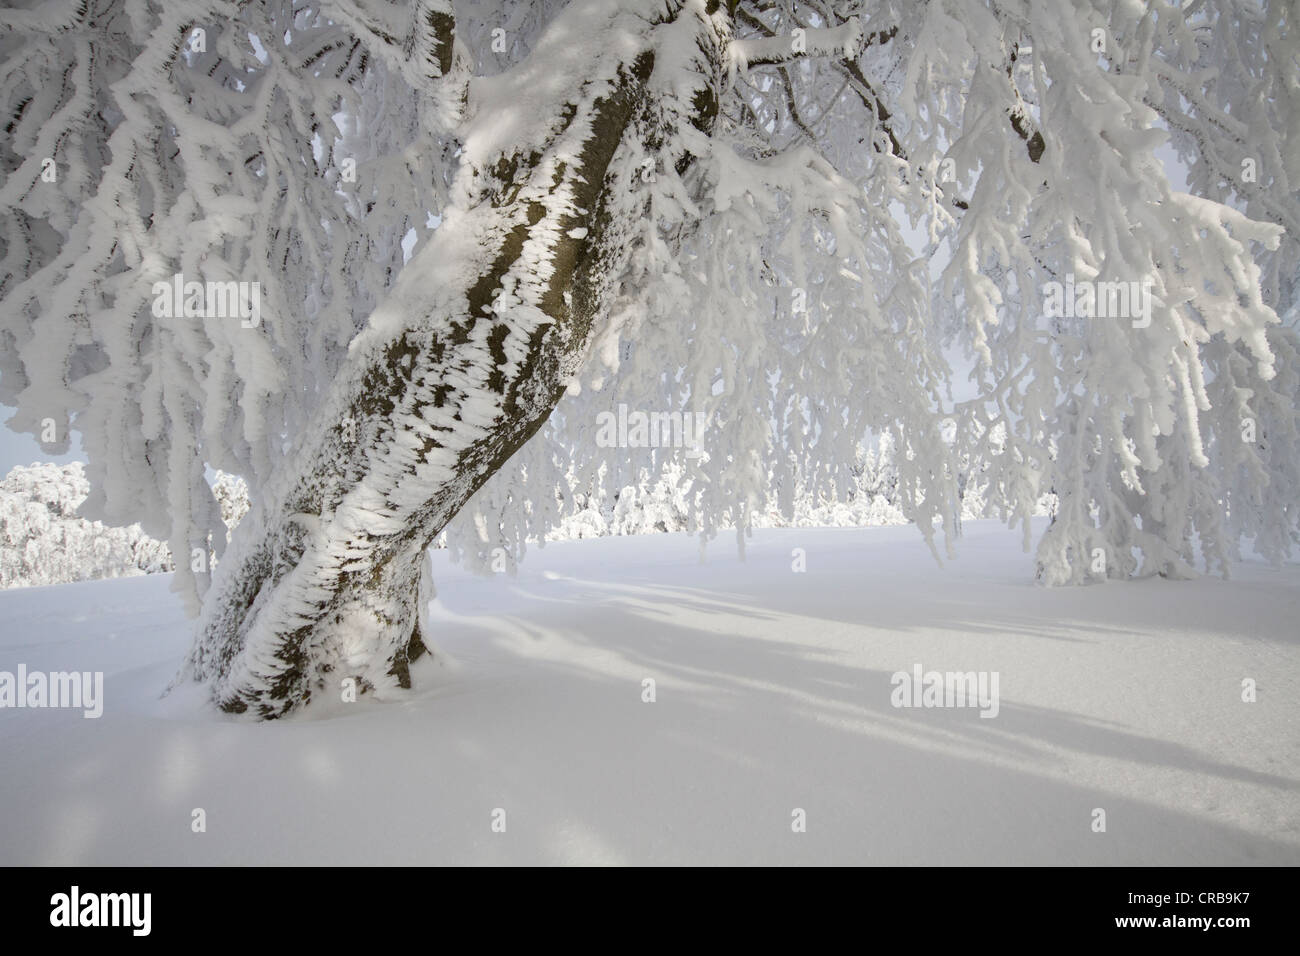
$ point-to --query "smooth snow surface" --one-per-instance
(773, 693)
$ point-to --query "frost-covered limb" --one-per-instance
(418, 41)
(845, 61)
(418, 38)
(841, 42)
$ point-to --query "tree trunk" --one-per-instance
(455, 372)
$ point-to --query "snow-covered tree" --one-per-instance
(781, 215)
(44, 541)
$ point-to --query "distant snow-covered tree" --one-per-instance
(722, 207)
(44, 541)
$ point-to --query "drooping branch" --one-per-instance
(846, 63)
(420, 48)
(843, 41)
(1017, 114)
(419, 44)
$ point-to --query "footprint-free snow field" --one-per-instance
(772, 736)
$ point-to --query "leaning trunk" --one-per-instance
(455, 371)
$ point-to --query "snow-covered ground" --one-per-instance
(773, 692)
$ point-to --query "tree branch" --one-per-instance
(421, 49)
(845, 40)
